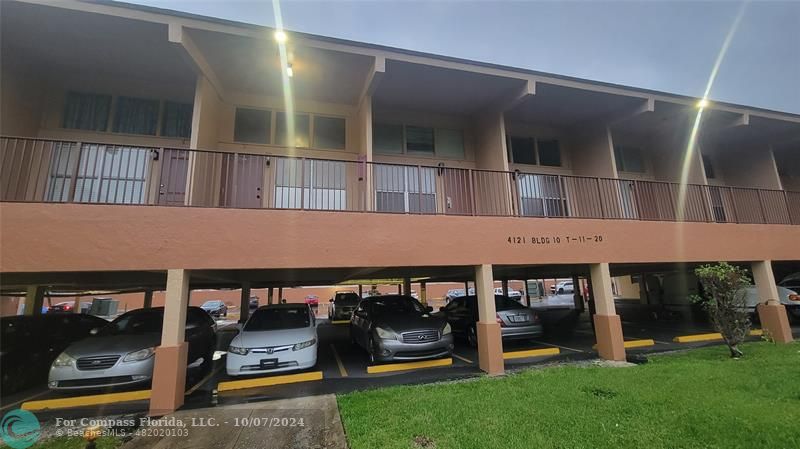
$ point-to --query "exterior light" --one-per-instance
(281, 37)
(289, 71)
(703, 103)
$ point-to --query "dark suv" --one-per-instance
(342, 306)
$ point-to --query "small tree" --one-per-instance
(724, 300)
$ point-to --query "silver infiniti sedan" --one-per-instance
(397, 327)
(122, 352)
(517, 322)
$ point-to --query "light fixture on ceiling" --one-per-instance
(703, 103)
(289, 71)
(281, 36)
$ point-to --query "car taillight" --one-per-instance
(499, 320)
(794, 297)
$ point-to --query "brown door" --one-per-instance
(457, 191)
(242, 180)
(172, 187)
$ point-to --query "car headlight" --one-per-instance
(384, 333)
(138, 356)
(238, 350)
(63, 359)
(304, 344)
(447, 329)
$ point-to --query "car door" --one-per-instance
(360, 323)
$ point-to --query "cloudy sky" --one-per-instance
(667, 46)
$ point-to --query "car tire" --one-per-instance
(472, 336)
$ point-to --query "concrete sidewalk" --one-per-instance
(306, 422)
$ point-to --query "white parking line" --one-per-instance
(557, 346)
(203, 380)
(463, 359)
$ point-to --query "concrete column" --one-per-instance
(244, 311)
(34, 300)
(76, 305)
(423, 292)
(504, 284)
(169, 372)
(280, 295)
(466, 288)
(270, 293)
(399, 289)
(490, 342)
(576, 293)
(360, 291)
(148, 299)
(770, 310)
(607, 324)
(407, 286)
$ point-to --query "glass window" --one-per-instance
(136, 116)
(523, 150)
(387, 139)
(329, 132)
(301, 130)
(549, 153)
(708, 167)
(629, 159)
(252, 126)
(86, 111)
(278, 318)
(419, 139)
(450, 143)
(177, 121)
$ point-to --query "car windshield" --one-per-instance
(138, 322)
(396, 305)
(346, 299)
(278, 318)
(212, 303)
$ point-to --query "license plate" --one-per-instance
(269, 363)
(519, 318)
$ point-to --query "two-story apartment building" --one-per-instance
(148, 149)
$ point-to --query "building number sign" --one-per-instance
(555, 239)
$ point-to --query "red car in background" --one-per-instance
(312, 301)
(61, 307)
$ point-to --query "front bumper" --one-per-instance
(250, 364)
(521, 332)
(121, 374)
(396, 350)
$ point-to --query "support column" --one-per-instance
(360, 291)
(76, 305)
(169, 372)
(148, 299)
(504, 284)
(280, 295)
(577, 298)
(423, 292)
(34, 300)
(490, 341)
(770, 310)
(407, 286)
(270, 293)
(466, 288)
(244, 311)
(399, 289)
(607, 324)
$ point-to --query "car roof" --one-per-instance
(378, 297)
(288, 305)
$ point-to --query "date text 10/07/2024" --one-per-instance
(555, 239)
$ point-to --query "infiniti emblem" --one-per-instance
(421, 337)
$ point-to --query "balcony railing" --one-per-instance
(37, 170)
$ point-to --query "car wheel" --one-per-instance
(472, 336)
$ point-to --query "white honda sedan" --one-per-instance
(276, 338)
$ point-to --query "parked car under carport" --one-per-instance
(517, 322)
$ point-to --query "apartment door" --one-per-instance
(457, 191)
(172, 185)
(242, 182)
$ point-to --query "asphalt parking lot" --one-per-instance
(342, 367)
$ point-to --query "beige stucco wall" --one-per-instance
(593, 152)
(21, 100)
(750, 166)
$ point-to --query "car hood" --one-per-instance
(261, 339)
(113, 344)
(406, 323)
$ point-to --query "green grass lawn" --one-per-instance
(76, 443)
(699, 398)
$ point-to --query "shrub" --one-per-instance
(724, 300)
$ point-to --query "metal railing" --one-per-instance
(40, 170)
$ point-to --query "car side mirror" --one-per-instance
(330, 300)
(441, 309)
(94, 331)
(429, 308)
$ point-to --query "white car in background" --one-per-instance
(513, 294)
(789, 298)
(276, 338)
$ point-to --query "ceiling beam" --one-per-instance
(373, 79)
(179, 36)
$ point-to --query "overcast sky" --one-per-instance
(667, 46)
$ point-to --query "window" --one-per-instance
(523, 150)
(405, 189)
(177, 121)
(549, 153)
(708, 167)
(629, 159)
(136, 116)
(387, 139)
(252, 126)
(450, 143)
(419, 139)
(533, 151)
(329, 132)
(320, 184)
(86, 111)
(540, 196)
(301, 130)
